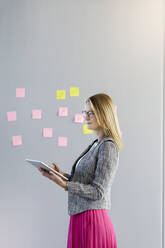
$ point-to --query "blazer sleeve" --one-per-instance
(105, 171)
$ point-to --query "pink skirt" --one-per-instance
(91, 229)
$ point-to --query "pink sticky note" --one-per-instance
(17, 140)
(63, 111)
(62, 141)
(36, 113)
(79, 118)
(116, 108)
(11, 116)
(48, 132)
(20, 92)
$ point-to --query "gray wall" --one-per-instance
(99, 46)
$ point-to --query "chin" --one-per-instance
(89, 127)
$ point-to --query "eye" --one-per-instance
(89, 113)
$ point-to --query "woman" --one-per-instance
(91, 178)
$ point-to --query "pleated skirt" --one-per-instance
(91, 229)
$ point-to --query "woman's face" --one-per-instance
(90, 118)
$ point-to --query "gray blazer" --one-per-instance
(89, 185)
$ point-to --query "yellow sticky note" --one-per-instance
(86, 130)
(74, 91)
(60, 94)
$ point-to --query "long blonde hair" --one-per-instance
(106, 116)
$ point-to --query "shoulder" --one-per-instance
(108, 146)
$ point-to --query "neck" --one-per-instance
(100, 134)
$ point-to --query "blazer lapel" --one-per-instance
(86, 150)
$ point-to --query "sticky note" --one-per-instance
(74, 91)
(17, 140)
(47, 132)
(116, 108)
(11, 116)
(20, 92)
(63, 111)
(78, 118)
(62, 141)
(60, 94)
(36, 113)
(86, 130)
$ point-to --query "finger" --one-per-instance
(52, 166)
(45, 173)
(55, 167)
(41, 169)
(55, 164)
(48, 175)
(53, 175)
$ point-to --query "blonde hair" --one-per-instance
(106, 116)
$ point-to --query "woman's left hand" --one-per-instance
(52, 176)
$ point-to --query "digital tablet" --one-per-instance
(39, 164)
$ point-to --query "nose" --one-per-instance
(87, 117)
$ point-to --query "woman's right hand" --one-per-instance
(55, 167)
